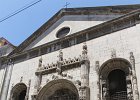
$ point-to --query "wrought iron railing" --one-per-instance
(122, 95)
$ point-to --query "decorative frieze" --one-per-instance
(65, 64)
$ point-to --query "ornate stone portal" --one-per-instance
(110, 67)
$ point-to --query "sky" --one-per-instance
(19, 27)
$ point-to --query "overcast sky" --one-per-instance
(19, 27)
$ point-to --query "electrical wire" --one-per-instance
(20, 10)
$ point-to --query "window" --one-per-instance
(63, 32)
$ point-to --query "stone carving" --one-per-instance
(129, 87)
(40, 62)
(60, 61)
(28, 89)
(134, 77)
(97, 66)
(84, 74)
(21, 79)
(40, 65)
(83, 93)
(65, 62)
(98, 81)
(104, 90)
(84, 52)
(113, 53)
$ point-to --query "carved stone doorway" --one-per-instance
(63, 94)
(18, 92)
(117, 85)
(115, 80)
(61, 89)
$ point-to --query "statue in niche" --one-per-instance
(60, 55)
(21, 79)
(84, 52)
(40, 62)
(113, 53)
(60, 61)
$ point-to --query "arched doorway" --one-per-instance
(117, 85)
(114, 79)
(61, 89)
(19, 92)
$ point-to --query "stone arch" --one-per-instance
(109, 74)
(18, 92)
(112, 64)
(51, 87)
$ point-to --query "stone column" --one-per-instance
(129, 88)
(38, 79)
(28, 90)
(104, 90)
(11, 94)
(98, 80)
(84, 89)
(7, 78)
(134, 77)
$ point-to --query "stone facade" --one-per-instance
(79, 66)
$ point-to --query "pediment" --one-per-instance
(77, 19)
(75, 23)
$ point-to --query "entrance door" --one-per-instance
(22, 95)
(117, 85)
(63, 94)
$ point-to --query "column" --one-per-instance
(7, 78)
(84, 89)
(98, 80)
(38, 79)
(28, 90)
(134, 77)
(104, 90)
(129, 87)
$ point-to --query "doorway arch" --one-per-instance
(61, 89)
(113, 73)
(19, 92)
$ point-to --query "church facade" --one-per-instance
(88, 53)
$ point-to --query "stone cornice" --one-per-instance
(122, 9)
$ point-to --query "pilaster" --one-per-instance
(134, 77)
(85, 64)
